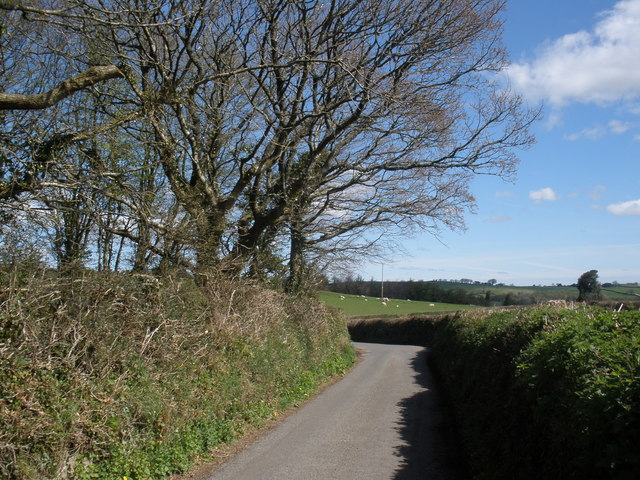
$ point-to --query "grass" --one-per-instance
(622, 292)
(361, 306)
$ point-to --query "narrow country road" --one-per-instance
(382, 421)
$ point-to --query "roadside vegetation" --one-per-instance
(109, 376)
(540, 392)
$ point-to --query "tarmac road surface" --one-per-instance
(382, 421)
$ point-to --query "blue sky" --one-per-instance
(575, 205)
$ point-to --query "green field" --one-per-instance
(621, 292)
(360, 306)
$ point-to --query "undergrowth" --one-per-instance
(111, 376)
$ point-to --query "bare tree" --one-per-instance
(378, 115)
(330, 123)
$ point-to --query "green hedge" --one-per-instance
(545, 392)
(111, 376)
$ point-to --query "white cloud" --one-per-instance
(553, 120)
(544, 195)
(618, 127)
(625, 208)
(615, 127)
(596, 66)
(592, 133)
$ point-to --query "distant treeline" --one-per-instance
(437, 291)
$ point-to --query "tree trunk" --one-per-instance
(141, 257)
(297, 265)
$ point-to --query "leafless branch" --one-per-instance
(88, 78)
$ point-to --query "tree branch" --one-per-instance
(88, 78)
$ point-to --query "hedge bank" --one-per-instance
(112, 376)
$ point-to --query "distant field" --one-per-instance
(358, 306)
(622, 292)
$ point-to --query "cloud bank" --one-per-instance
(599, 66)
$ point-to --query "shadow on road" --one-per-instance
(429, 450)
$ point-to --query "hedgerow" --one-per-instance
(112, 376)
(548, 393)
(582, 379)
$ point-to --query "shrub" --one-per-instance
(582, 377)
(474, 358)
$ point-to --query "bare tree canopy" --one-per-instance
(295, 128)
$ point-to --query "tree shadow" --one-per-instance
(430, 449)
